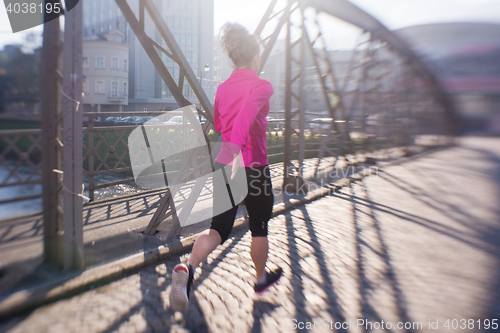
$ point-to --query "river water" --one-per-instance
(35, 205)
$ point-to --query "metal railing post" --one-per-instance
(51, 141)
(92, 151)
(302, 102)
(73, 140)
(288, 104)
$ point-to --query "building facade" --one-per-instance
(106, 72)
(191, 23)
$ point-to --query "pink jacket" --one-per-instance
(240, 110)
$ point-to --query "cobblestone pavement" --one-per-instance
(418, 242)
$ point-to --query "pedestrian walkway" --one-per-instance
(416, 244)
(112, 228)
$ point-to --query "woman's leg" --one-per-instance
(220, 228)
(258, 252)
(182, 276)
(203, 246)
(259, 203)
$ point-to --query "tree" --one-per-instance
(19, 77)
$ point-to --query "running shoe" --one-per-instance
(272, 279)
(182, 278)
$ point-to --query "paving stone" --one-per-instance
(393, 247)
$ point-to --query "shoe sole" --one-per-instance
(258, 293)
(178, 296)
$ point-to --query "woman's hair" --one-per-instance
(238, 44)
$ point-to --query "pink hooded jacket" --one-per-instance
(240, 110)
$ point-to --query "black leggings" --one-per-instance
(259, 203)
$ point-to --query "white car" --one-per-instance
(176, 120)
(320, 125)
(179, 120)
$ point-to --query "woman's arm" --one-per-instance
(217, 123)
(259, 96)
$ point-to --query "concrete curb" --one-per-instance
(77, 282)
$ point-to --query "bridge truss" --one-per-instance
(383, 97)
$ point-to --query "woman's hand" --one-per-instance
(236, 165)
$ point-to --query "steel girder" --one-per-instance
(367, 90)
(350, 13)
(174, 53)
(166, 206)
(364, 61)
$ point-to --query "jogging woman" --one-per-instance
(240, 110)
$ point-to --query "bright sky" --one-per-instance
(393, 14)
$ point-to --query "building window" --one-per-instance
(86, 62)
(94, 13)
(187, 90)
(188, 40)
(165, 92)
(114, 63)
(85, 86)
(124, 64)
(99, 87)
(114, 88)
(99, 62)
(176, 71)
(110, 10)
(102, 11)
(86, 15)
(125, 88)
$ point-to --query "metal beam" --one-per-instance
(288, 102)
(302, 99)
(169, 39)
(73, 139)
(50, 86)
(272, 38)
(346, 11)
(341, 9)
(187, 73)
(149, 47)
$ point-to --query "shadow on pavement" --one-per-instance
(260, 308)
(328, 283)
(480, 233)
(368, 311)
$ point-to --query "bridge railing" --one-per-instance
(105, 149)
(106, 156)
(20, 164)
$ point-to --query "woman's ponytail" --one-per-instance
(239, 45)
